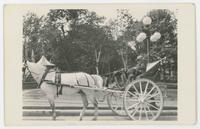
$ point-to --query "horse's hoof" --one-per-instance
(94, 119)
(80, 119)
(54, 118)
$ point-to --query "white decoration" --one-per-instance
(142, 36)
(132, 44)
(146, 20)
(139, 57)
(138, 39)
(155, 37)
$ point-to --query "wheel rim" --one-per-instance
(115, 102)
(143, 100)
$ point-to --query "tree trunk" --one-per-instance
(97, 70)
(26, 49)
(63, 31)
(124, 60)
(97, 56)
(32, 56)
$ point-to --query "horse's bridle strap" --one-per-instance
(43, 77)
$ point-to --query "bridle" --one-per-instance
(31, 72)
(26, 67)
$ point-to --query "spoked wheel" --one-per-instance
(115, 102)
(143, 100)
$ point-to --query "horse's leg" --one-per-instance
(52, 104)
(95, 103)
(53, 111)
(85, 104)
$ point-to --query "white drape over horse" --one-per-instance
(83, 79)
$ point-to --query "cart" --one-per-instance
(140, 99)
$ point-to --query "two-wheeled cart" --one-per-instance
(140, 99)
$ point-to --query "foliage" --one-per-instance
(80, 40)
(163, 21)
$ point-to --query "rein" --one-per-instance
(43, 77)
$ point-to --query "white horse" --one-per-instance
(38, 71)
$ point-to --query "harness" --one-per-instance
(94, 80)
(87, 80)
(43, 77)
(57, 81)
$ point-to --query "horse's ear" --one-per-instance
(27, 62)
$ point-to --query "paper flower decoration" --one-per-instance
(132, 44)
(146, 20)
(155, 37)
(142, 36)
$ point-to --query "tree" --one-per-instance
(91, 37)
(31, 28)
(79, 39)
(32, 56)
(121, 31)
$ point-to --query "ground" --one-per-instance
(36, 107)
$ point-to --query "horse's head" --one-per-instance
(35, 69)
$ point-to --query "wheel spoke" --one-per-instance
(146, 87)
(150, 110)
(153, 101)
(135, 89)
(150, 91)
(132, 100)
(153, 95)
(133, 113)
(146, 112)
(140, 87)
(152, 106)
(135, 110)
(134, 105)
(132, 94)
(140, 111)
(115, 101)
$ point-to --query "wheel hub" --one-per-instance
(141, 99)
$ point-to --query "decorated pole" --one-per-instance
(146, 35)
(147, 21)
(148, 50)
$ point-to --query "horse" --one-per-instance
(42, 77)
